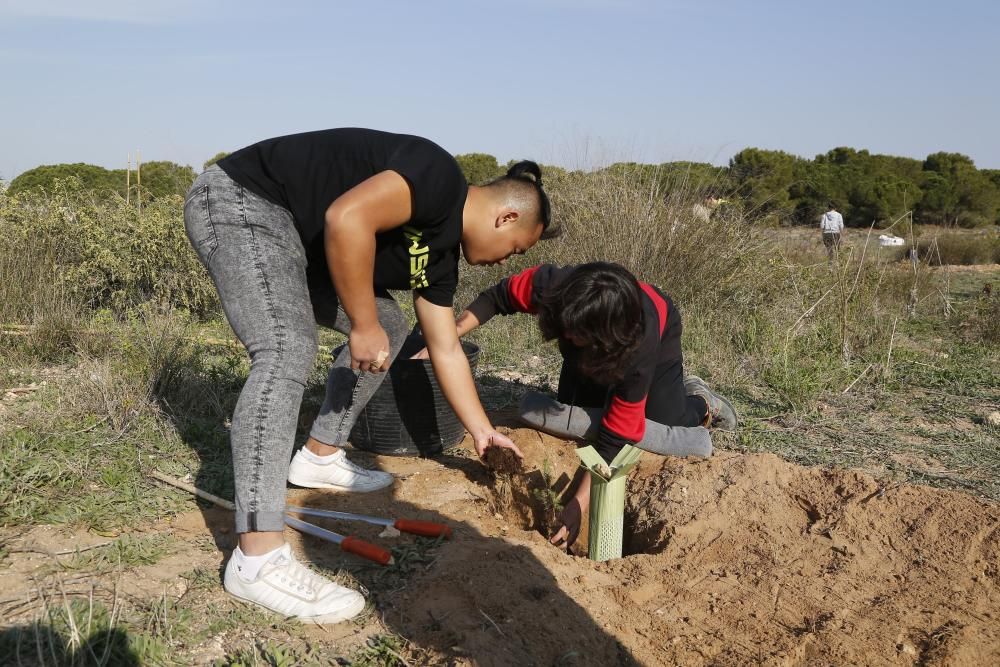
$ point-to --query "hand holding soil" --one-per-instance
(496, 439)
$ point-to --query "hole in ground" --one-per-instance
(644, 533)
(527, 499)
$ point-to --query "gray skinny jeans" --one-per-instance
(255, 256)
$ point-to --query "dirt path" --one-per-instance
(738, 560)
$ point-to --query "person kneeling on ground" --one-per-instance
(620, 340)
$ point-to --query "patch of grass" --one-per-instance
(77, 633)
(78, 451)
(381, 651)
(202, 579)
(93, 478)
(125, 551)
(275, 654)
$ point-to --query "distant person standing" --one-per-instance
(831, 225)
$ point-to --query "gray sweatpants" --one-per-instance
(254, 254)
(577, 423)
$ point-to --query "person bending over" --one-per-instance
(316, 228)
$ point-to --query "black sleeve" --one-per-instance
(441, 292)
(624, 421)
(436, 181)
(519, 293)
(491, 301)
(609, 444)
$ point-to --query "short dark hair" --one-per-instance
(522, 180)
(600, 305)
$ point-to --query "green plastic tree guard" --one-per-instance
(607, 499)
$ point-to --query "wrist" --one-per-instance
(365, 326)
(481, 431)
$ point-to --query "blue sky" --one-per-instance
(571, 82)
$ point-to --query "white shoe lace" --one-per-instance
(298, 576)
(347, 464)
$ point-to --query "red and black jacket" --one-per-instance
(624, 419)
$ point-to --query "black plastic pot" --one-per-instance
(408, 415)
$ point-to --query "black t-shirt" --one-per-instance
(306, 172)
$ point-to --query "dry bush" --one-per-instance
(960, 249)
(630, 217)
(38, 312)
(982, 323)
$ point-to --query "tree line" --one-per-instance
(777, 187)
(780, 188)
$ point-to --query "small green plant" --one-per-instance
(548, 500)
(407, 558)
(201, 578)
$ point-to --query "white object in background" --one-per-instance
(890, 240)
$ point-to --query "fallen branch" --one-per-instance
(190, 488)
(863, 373)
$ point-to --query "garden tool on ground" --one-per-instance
(412, 526)
(347, 543)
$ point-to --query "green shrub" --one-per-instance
(101, 253)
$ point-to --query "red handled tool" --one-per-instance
(412, 526)
(352, 545)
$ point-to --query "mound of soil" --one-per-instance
(734, 560)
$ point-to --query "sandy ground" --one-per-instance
(734, 560)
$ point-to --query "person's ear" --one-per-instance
(506, 217)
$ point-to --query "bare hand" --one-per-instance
(570, 518)
(496, 439)
(369, 350)
(422, 354)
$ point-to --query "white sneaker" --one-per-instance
(335, 472)
(289, 588)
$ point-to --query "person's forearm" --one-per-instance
(466, 322)
(582, 494)
(350, 254)
(455, 377)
